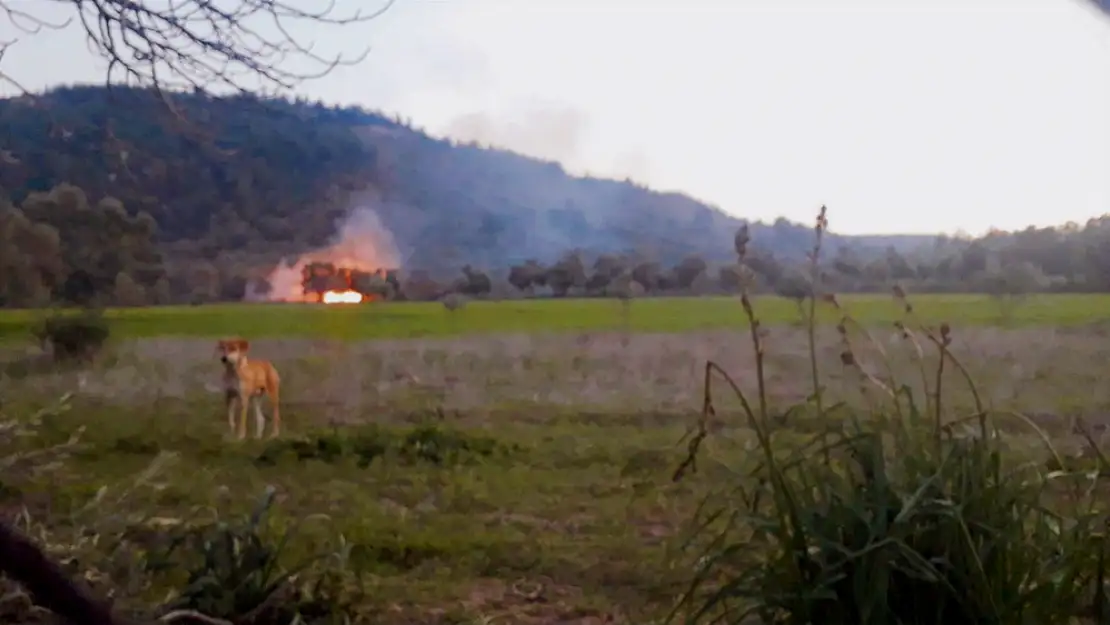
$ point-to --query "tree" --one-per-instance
(198, 45)
(475, 283)
(1009, 283)
(520, 277)
(126, 292)
(765, 265)
(528, 276)
(795, 287)
(420, 287)
(566, 274)
(58, 247)
(731, 278)
(30, 260)
(687, 271)
(203, 282)
(702, 285)
(372, 284)
(606, 268)
(897, 266)
(648, 274)
(846, 262)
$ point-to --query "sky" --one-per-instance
(912, 116)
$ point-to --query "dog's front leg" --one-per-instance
(244, 404)
(259, 418)
(229, 405)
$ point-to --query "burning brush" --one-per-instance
(329, 284)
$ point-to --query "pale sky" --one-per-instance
(900, 115)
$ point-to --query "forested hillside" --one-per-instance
(274, 177)
(123, 200)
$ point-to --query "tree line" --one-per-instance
(58, 247)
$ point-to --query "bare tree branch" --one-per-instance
(26, 22)
(4, 77)
(49, 586)
(201, 45)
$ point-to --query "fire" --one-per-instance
(341, 297)
(361, 254)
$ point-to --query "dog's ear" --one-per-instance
(243, 344)
(221, 345)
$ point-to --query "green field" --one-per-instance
(511, 468)
(413, 320)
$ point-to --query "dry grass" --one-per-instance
(1042, 371)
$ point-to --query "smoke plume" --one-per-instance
(362, 243)
(549, 131)
(538, 129)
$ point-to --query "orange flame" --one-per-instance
(342, 297)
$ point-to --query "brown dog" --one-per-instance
(246, 381)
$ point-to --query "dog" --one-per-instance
(246, 381)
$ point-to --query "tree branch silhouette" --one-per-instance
(203, 46)
(242, 46)
(49, 586)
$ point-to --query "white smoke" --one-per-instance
(363, 243)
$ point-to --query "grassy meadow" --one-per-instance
(515, 462)
(429, 319)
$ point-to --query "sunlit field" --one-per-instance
(669, 315)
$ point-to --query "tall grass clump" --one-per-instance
(904, 511)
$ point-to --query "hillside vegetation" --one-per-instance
(251, 175)
(122, 202)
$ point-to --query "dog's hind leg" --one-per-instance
(275, 428)
(259, 419)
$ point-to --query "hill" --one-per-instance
(274, 177)
(121, 200)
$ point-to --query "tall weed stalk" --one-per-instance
(898, 512)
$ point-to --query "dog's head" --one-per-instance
(231, 351)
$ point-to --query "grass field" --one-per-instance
(414, 320)
(466, 468)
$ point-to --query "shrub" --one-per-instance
(438, 446)
(364, 444)
(429, 444)
(236, 572)
(902, 514)
(454, 301)
(73, 337)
